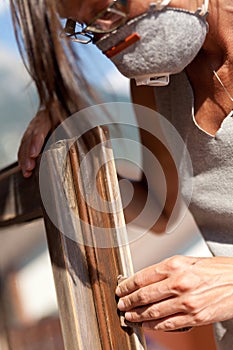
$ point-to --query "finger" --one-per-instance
(37, 142)
(26, 163)
(27, 173)
(153, 312)
(147, 295)
(170, 323)
(32, 142)
(42, 126)
(28, 166)
(140, 279)
(23, 157)
(155, 273)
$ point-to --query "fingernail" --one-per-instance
(128, 316)
(118, 291)
(27, 173)
(121, 304)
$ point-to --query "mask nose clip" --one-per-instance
(157, 80)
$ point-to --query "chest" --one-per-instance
(210, 115)
(211, 100)
(205, 126)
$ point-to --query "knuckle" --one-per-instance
(133, 317)
(164, 289)
(153, 312)
(42, 113)
(35, 132)
(189, 304)
(175, 262)
(142, 297)
(182, 284)
(137, 281)
(123, 289)
(200, 318)
(127, 302)
(169, 324)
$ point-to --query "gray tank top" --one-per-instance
(212, 160)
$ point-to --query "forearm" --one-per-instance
(157, 215)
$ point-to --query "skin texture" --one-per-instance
(79, 11)
(179, 291)
(34, 138)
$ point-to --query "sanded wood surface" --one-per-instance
(85, 264)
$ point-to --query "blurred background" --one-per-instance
(27, 290)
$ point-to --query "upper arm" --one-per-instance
(144, 96)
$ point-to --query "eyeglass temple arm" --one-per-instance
(70, 26)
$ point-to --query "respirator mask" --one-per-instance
(156, 44)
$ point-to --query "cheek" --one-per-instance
(69, 8)
(90, 8)
(191, 5)
(138, 7)
(81, 10)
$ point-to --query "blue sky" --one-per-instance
(6, 33)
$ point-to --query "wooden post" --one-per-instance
(86, 267)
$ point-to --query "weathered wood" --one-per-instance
(85, 264)
(19, 197)
(4, 326)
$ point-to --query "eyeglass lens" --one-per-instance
(105, 22)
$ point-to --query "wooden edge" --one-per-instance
(19, 197)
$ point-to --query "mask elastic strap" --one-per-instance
(161, 4)
(204, 8)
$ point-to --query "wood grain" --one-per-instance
(86, 263)
(85, 267)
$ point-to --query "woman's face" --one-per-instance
(84, 11)
(81, 10)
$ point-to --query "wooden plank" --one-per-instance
(4, 326)
(85, 264)
(19, 197)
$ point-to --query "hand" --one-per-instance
(179, 292)
(32, 142)
(34, 137)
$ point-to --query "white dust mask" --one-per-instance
(156, 44)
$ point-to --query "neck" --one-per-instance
(218, 47)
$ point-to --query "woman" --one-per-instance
(180, 291)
